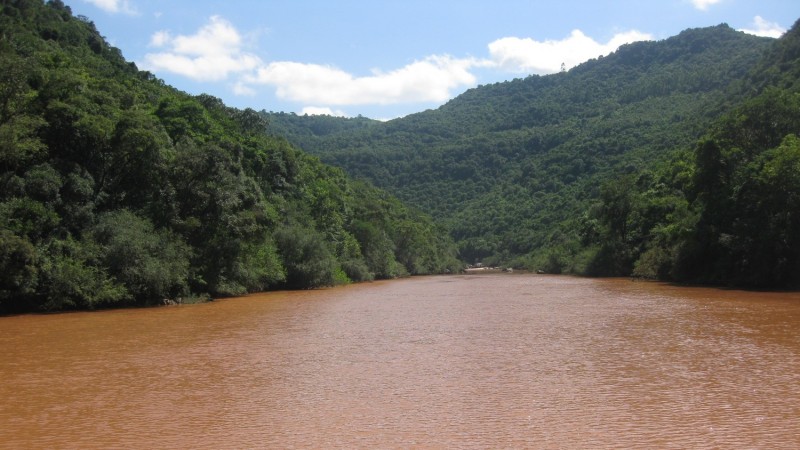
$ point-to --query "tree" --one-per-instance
(308, 260)
(18, 271)
(19, 123)
(70, 278)
(151, 264)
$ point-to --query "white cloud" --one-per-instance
(762, 27)
(704, 4)
(160, 39)
(432, 79)
(429, 80)
(322, 111)
(211, 54)
(114, 6)
(240, 88)
(526, 55)
(216, 52)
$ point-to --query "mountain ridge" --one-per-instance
(510, 142)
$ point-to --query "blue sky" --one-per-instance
(389, 58)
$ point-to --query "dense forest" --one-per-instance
(116, 189)
(675, 160)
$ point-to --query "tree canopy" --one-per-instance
(120, 190)
(676, 159)
(670, 159)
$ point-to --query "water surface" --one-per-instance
(467, 361)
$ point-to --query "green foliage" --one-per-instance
(19, 141)
(29, 218)
(18, 270)
(183, 117)
(308, 260)
(653, 264)
(666, 160)
(152, 264)
(725, 216)
(116, 189)
(503, 166)
(746, 189)
(256, 267)
(378, 250)
(676, 159)
(352, 261)
(19, 123)
(70, 278)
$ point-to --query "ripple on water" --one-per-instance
(515, 361)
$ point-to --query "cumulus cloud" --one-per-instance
(240, 88)
(429, 80)
(525, 55)
(216, 53)
(432, 79)
(703, 5)
(160, 39)
(762, 27)
(211, 54)
(114, 6)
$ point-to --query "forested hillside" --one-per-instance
(725, 211)
(597, 170)
(116, 189)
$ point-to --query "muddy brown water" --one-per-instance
(462, 361)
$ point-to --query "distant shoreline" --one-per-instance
(487, 269)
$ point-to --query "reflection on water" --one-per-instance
(456, 361)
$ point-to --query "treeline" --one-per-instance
(672, 160)
(116, 189)
(727, 212)
(511, 168)
(723, 211)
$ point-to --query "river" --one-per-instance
(461, 361)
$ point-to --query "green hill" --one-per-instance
(520, 172)
(724, 212)
(120, 190)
